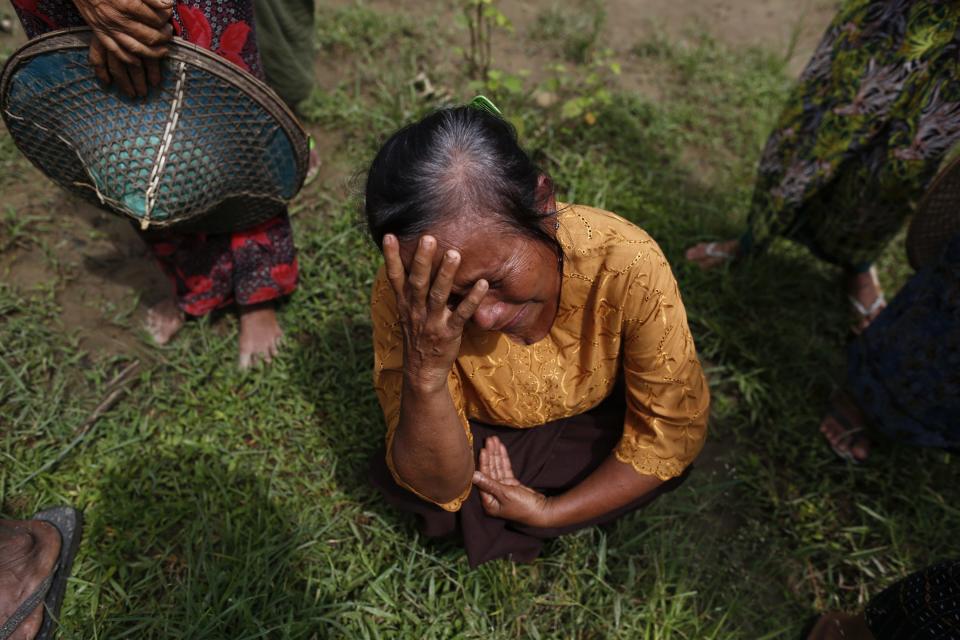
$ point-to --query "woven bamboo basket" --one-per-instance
(211, 149)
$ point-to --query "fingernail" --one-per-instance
(426, 242)
(452, 255)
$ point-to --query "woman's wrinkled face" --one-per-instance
(523, 275)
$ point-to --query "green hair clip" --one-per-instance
(485, 104)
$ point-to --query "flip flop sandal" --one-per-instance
(848, 438)
(713, 250)
(313, 170)
(868, 313)
(68, 521)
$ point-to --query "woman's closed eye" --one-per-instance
(456, 297)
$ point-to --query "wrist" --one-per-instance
(545, 516)
(424, 385)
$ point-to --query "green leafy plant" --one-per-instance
(482, 17)
(582, 92)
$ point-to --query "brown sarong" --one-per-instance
(551, 458)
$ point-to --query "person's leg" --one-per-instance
(254, 268)
(260, 334)
(885, 175)
(901, 372)
(788, 171)
(200, 268)
(285, 36)
(264, 270)
(28, 555)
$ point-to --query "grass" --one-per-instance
(572, 28)
(229, 505)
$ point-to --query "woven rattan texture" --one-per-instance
(937, 218)
(197, 153)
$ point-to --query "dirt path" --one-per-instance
(791, 28)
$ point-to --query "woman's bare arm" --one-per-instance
(612, 485)
(430, 450)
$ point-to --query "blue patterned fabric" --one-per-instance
(904, 371)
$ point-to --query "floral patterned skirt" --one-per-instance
(863, 131)
(208, 271)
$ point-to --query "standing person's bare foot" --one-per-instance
(260, 334)
(708, 255)
(866, 298)
(844, 427)
(29, 550)
(164, 320)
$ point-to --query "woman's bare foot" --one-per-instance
(164, 320)
(840, 626)
(866, 297)
(844, 428)
(28, 554)
(708, 255)
(260, 334)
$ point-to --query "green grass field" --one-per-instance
(222, 504)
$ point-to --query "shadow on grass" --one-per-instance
(184, 546)
(335, 365)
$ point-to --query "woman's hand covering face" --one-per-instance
(501, 493)
(130, 37)
(432, 330)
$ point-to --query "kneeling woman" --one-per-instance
(538, 351)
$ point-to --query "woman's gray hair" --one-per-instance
(455, 164)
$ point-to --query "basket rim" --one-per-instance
(179, 51)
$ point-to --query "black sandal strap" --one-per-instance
(27, 607)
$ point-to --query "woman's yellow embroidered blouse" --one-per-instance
(620, 312)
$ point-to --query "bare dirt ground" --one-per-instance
(107, 279)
